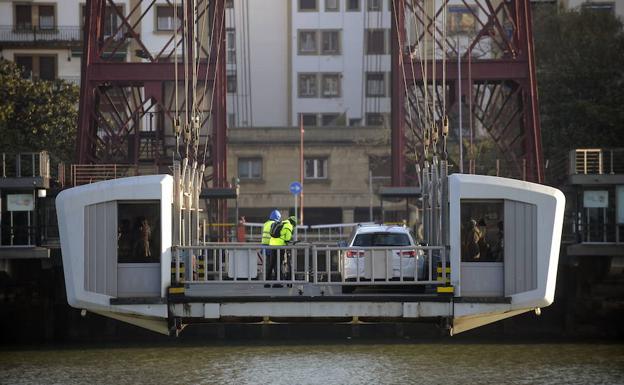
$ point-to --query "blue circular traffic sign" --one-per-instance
(295, 188)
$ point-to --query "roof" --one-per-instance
(381, 228)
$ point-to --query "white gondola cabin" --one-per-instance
(121, 259)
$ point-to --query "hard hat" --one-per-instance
(292, 219)
(275, 215)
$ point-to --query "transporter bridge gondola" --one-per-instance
(163, 277)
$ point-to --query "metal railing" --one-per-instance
(305, 263)
(315, 233)
(90, 173)
(18, 235)
(597, 161)
(29, 34)
(600, 232)
(26, 165)
(71, 79)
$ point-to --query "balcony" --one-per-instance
(596, 166)
(25, 170)
(63, 36)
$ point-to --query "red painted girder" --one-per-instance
(141, 72)
(491, 70)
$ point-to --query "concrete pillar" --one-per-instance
(348, 215)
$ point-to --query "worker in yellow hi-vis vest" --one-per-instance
(274, 218)
(281, 234)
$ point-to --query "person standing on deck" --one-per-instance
(274, 218)
(285, 236)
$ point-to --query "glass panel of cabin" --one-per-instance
(482, 236)
(482, 247)
(138, 249)
(138, 232)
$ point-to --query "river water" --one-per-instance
(345, 363)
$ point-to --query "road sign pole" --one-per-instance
(296, 219)
(295, 189)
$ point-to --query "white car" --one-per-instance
(379, 264)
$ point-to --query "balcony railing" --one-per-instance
(91, 173)
(71, 79)
(597, 161)
(64, 34)
(25, 165)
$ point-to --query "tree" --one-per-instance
(37, 115)
(580, 69)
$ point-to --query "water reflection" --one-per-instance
(320, 364)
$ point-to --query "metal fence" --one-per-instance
(597, 161)
(11, 34)
(305, 263)
(90, 173)
(315, 233)
(26, 165)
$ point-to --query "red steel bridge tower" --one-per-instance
(474, 63)
(131, 112)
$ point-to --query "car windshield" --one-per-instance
(381, 239)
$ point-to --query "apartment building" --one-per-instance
(324, 62)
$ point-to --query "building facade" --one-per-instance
(322, 63)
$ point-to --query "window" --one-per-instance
(46, 17)
(138, 232)
(307, 43)
(482, 231)
(353, 5)
(375, 42)
(461, 19)
(307, 5)
(331, 85)
(26, 64)
(374, 5)
(47, 67)
(374, 119)
(606, 7)
(250, 168)
(315, 168)
(355, 122)
(230, 46)
(375, 84)
(380, 165)
(43, 15)
(23, 17)
(332, 5)
(231, 83)
(37, 66)
(381, 239)
(307, 86)
(112, 21)
(330, 42)
(309, 120)
(164, 18)
(330, 119)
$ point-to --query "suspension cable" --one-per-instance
(186, 75)
(445, 119)
(176, 117)
(400, 50)
(221, 29)
(197, 116)
(417, 48)
(434, 89)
